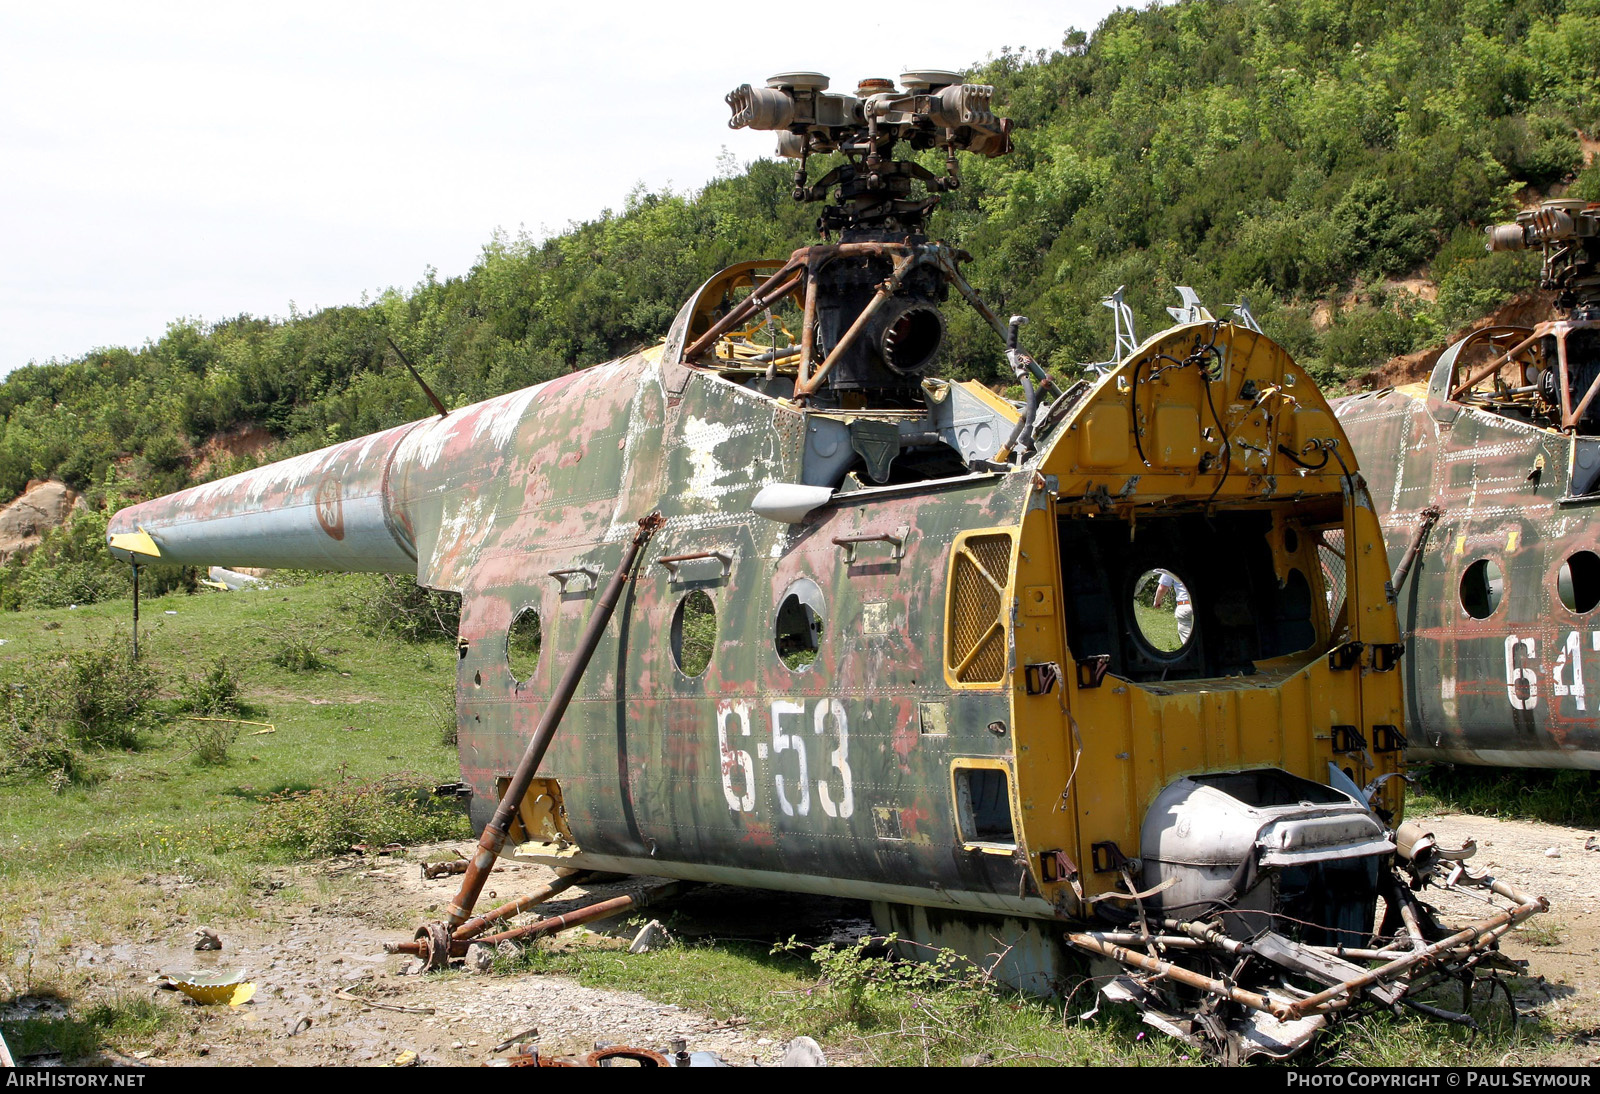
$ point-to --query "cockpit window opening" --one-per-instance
(1239, 612)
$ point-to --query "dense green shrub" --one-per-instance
(1293, 150)
(399, 808)
(94, 697)
(215, 690)
(395, 605)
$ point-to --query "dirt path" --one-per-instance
(319, 966)
(320, 969)
(1561, 946)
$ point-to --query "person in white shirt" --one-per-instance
(1184, 612)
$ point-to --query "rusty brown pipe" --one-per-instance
(587, 914)
(808, 327)
(1430, 515)
(475, 926)
(494, 835)
(1468, 935)
(1167, 970)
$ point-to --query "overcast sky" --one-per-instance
(163, 160)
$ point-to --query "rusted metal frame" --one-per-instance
(1496, 365)
(808, 324)
(816, 257)
(494, 835)
(1471, 935)
(970, 295)
(1407, 906)
(756, 301)
(903, 264)
(1567, 417)
(1169, 971)
(587, 914)
(1430, 516)
(478, 924)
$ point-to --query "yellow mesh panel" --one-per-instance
(977, 639)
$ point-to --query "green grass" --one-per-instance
(156, 804)
(125, 1021)
(865, 1012)
(1159, 627)
(912, 1022)
(1555, 797)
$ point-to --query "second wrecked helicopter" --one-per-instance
(811, 619)
(1487, 480)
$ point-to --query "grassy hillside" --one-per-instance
(1333, 162)
(340, 704)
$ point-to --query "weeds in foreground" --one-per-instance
(298, 653)
(868, 1005)
(120, 1020)
(445, 717)
(209, 737)
(91, 698)
(397, 808)
(395, 606)
(1542, 931)
(216, 691)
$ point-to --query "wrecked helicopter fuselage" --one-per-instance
(811, 620)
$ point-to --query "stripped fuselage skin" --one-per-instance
(1497, 680)
(859, 774)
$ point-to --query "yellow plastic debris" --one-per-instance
(406, 1059)
(215, 987)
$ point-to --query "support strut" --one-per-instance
(494, 834)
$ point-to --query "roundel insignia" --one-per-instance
(330, 508)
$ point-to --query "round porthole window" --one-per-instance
(523, 642)
(694, 633)
(1163, 611)
(1482, 588)
(798, 627)
(1578, 583)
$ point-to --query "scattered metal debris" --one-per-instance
(433, 870)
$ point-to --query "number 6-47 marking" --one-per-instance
(791, 779)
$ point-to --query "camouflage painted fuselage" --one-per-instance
(982, 727)
(1506, 687)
